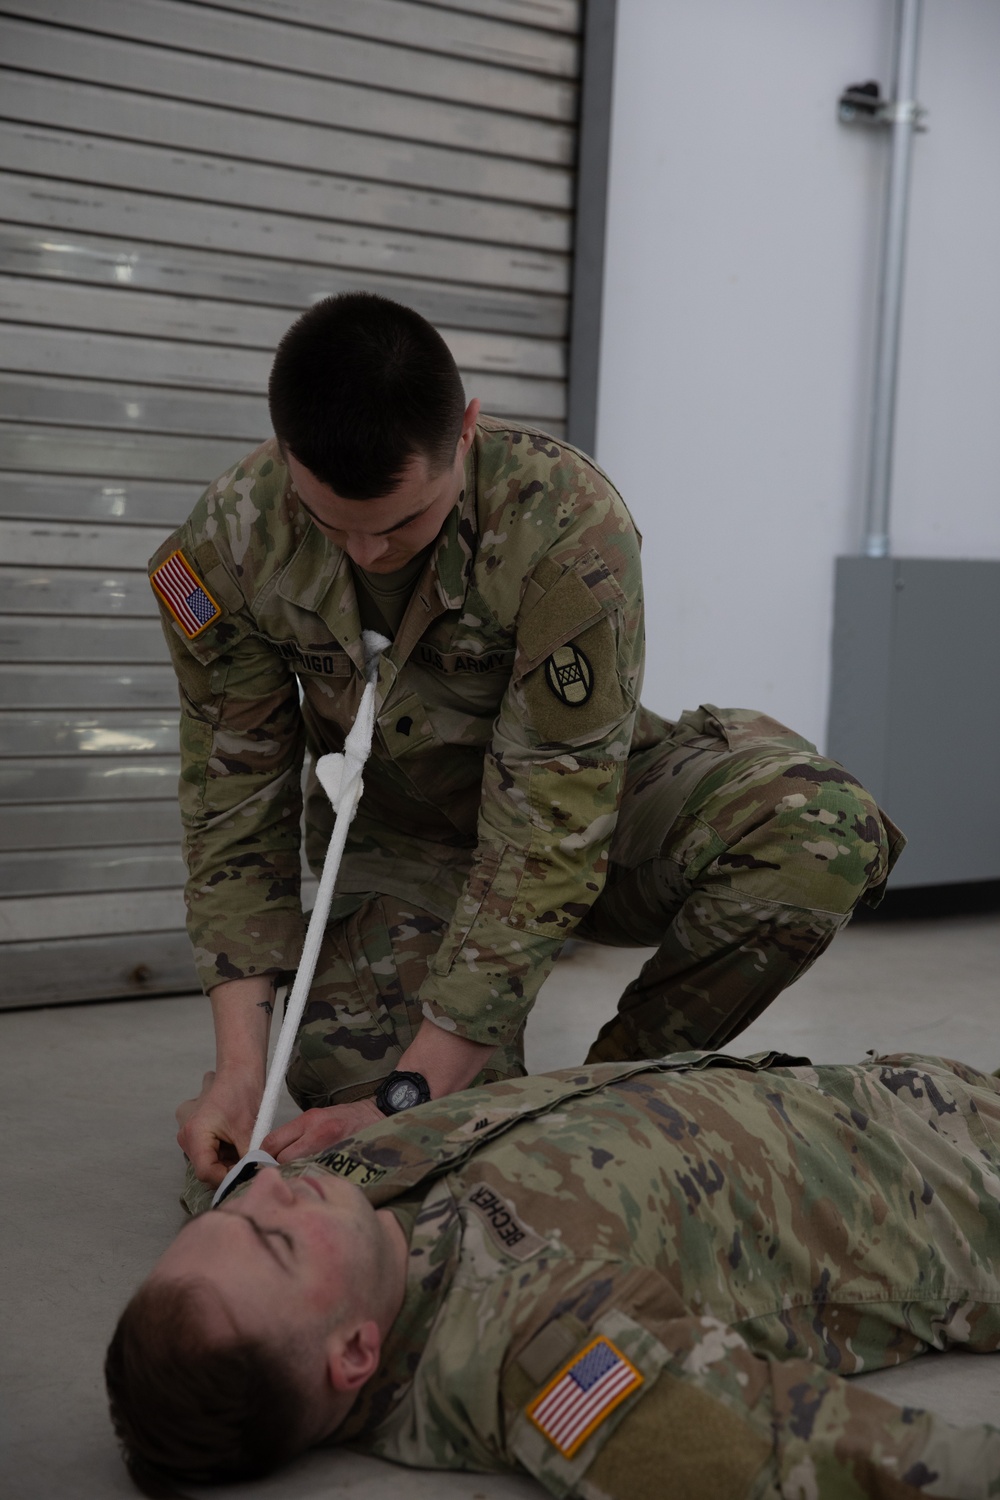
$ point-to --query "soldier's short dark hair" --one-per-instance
(187, 1410)
(360, 386)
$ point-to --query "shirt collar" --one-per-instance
(432, 1224)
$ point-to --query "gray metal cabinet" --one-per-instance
(178, 180)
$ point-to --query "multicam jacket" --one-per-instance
(647, 1280)
(506, 709)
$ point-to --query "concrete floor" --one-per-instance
(90, 1177)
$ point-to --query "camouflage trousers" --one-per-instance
(739, 853)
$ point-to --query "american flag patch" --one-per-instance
(184, 594)
(582, 1394)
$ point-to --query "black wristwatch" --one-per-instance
(402, 1091)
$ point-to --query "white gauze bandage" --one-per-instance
(341, 778)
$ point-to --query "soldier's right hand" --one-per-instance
(215, 1126)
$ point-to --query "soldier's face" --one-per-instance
(289, 1253)
(383, 534)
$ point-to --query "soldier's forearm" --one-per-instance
(241, 1012)
(448, 1062)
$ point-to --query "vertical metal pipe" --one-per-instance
(902, 121)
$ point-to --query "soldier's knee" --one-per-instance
(830, 829)
(306, 1086)
(801, 829)
(334, 1065)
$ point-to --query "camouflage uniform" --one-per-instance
(508, 734)
(738, 1234)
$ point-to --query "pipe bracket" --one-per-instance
(863, 104)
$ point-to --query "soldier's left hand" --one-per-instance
(316, 1129)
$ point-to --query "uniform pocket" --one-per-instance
(406, 728)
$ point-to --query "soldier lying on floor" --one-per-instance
(617, 1278)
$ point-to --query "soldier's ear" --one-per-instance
(352, 1355)
(469, 426)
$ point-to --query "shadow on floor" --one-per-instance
(924, 903)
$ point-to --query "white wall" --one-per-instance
(739, 299)
(948, 436)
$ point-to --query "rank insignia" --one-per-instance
(570, 676)
(184, 594)
(579, 1397)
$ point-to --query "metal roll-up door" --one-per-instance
(179, 180)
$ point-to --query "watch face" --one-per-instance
(403, 1093)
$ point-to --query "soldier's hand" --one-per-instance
(316, 1129)
(215, 1127)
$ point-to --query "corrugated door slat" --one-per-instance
(270, 89)
(198, 320)
(130, 115)
(168, 171)
(180, 178)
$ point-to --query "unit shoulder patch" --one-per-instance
(576, 690)
(582, 1394)
(184, 594)
(570, 676)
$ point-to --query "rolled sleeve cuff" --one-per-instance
(484, 994)
(260, 942)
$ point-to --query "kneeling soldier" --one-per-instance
(517, 791)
